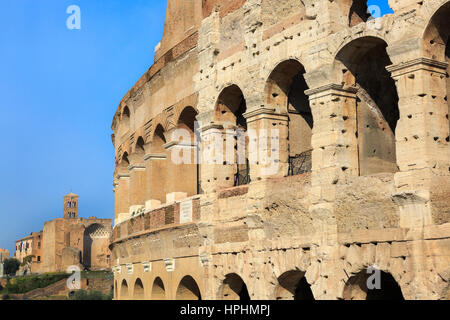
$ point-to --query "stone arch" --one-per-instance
(124, 293)
(233, 288)
(158, 165)
(436, 33)
(188, 289)
(229, 111)
(285, 91)
(357, 12)
(184, 167)
(356, 287)
(436, 40)
(125, 121)
(96, 238)
(158, 290)
(292, 285)
(138, 292)
(363, 63)
(139, 147)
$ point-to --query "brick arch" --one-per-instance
(362, 64)
(436, 34)
(124, 291)
(188, 289)
(356, 287)
(158, 289)
(179, 112)
(139, 145)
(138, 290)
(160, 121)
(233, 287)
(361, 260)
(366, 33)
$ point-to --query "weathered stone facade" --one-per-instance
(68, 241)
(360, 108)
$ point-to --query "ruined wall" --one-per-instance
(367, 98)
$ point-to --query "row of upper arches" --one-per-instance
(368, 284)
(359, 63)
(434, 37)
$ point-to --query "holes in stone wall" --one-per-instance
(230, 109)
(285, 89)
(377, 110)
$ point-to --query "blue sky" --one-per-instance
(59, 90)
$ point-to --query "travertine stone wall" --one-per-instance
(368, 99)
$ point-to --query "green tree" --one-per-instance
(11, 266)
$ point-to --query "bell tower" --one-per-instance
(71, 206)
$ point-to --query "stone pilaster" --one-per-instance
(156, 182)
(123, 195)
(218, 166)
(335, 156)
(268, 147)
(423, 156)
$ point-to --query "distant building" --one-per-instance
(4, 254)
(67, 241)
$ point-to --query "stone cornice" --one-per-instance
(123, 175)
(418, 64)
(155, 156)
(211, 126)
(264, 113)
(137, 167)
(180, 144)
(332, 89)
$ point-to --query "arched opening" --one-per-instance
(234, 288)
(95, 240)
(125, 121)
(372, 285)
(184, 166)
(158, 290)
(124, 290)
(285, 91)
(139, 290)
(358, 12)
(188, 289)
(437, 42)
(158, 169)
(363, 64)
(293, 286)
(140, 146)
(230, 109)
(138, 184)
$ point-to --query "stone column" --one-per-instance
(181, 167)
(137, 172)
(335, 156)
(268, 132)
(423, 156)
(217, 170)
(156, 178)
(334, 140)
(423, 153)
(123, 196)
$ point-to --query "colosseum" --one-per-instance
(287, 149)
